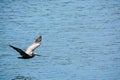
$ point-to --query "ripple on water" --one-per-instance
(22, 78)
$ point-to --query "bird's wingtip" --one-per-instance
(10, 45)
(40, 36)
(38, 39)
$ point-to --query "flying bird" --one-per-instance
(29, 53)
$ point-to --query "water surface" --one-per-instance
(81, 39)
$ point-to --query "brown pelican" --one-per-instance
(29, 53)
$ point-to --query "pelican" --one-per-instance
(29, 53)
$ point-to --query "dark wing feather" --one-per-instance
(22, 53)
(38, 40)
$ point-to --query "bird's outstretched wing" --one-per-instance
(22, 53)
(38, 40)
(32, 47)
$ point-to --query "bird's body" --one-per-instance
(29, 53)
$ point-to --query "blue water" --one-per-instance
(81, 39)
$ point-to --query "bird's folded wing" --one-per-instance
(22, 53)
